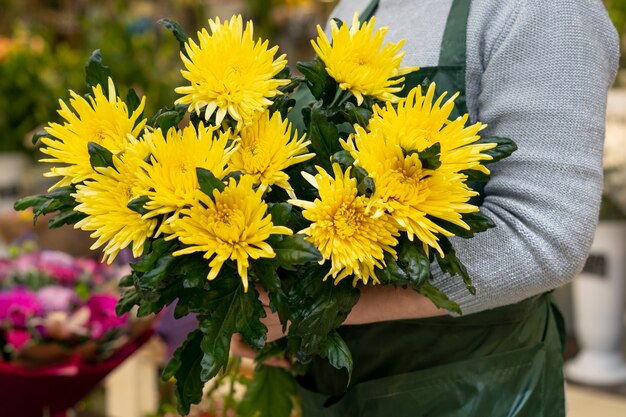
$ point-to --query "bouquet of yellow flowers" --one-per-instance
(219, 196)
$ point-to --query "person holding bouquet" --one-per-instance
(537, 72)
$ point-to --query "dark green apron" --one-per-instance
(505, 362)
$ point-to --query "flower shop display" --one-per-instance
(59, 329)
(221, 199)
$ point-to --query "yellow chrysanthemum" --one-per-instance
(230, 73)
(412, 193)
(358, 61)
(103, 120)
(170, 179)
(346, 228)
(105, 198)
(232, 225)
(420, 121)
(266, 148)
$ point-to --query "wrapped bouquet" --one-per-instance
(220, 198)
(59, 332)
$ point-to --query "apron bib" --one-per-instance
(505, 362)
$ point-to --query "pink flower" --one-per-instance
(56, 298)
(103, 317)
(18, 306)
(17, 338)
(60, 266)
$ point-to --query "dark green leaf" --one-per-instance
(178, 33)
(392, 273)
(137, 204)
(505, 147)
(365, 184)
(323, 135)
(337, 352)
(414, 262)
(356, 115)
(451, 264)
(429, 157)
(228, 310)
(127, 301)
(438, 298)
(166, 119)
(132, 102)
(338, 22)
(41, 134)
(209, 182)
(99, 156)
(477, 222)
(265, 271)
(185, 367)
(57, 199)
(281, 213)
(97, 73)
(318, 307)
(67, 216)
(321, 85)
(270, 394)
(152, 254)
(294, 250)
(343, 158)
(126, 281)
(475, 175)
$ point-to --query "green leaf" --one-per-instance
(127, 301)
(392, 273)
(477, 222)
(337, 352)
(317, 308)
(97, 73)
(132, 102)
(451, 264)
(99, 156)
(152, 253)
(270, 394)
(229, 310)
(429, 157)
(356, 115)
(41, 133)
(67, 216)
(438, 298)
(475, 175)
(321, 85)
(265, 271)
(209, 182)
(57, 199)
(343, 158)
(178, 33)
(505, 147)
(126, 281)
(414, 262)
(186, 369)
(138, 205)
(281, 213)
(294, 250)
(166, 119)
(323, 134)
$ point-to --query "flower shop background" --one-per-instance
(43, 48)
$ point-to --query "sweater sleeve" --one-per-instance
(540, 77)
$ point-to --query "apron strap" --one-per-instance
(453, 44)
(369, 11)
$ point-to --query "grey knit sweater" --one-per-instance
(538, 72)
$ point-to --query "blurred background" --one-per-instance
(43, 48)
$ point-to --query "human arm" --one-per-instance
(539, 75)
